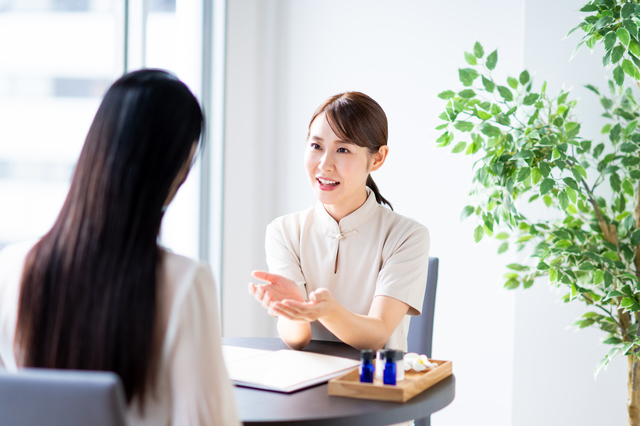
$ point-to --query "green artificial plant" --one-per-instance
(531, 150)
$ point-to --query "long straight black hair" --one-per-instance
(89, 291)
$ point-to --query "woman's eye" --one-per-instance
(315, 146)
(343, 150)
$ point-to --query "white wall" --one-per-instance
(284, 58)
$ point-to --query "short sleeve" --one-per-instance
(202, 393)
(282, 257)
(403, 275)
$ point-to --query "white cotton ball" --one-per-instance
(410, 357)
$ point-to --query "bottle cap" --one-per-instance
(366, 355)
(394, 355)
(382, 354)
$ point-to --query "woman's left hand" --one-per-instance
(321, 303)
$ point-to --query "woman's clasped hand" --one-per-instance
(282, 298)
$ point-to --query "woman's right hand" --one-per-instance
(278, 288)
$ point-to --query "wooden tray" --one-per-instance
(349, 385)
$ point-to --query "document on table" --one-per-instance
(284, 370)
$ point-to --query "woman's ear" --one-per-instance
(379, 157)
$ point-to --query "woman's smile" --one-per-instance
(327, 184)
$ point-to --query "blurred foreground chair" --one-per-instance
(61, 398)
(420, 335)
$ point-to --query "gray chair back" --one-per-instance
(420, 337)
(61, 398)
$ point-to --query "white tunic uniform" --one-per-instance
(192, 386)
(371, 252)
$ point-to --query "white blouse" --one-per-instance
(192, 387)
(371, 252)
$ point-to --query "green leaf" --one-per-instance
(612, 340)
(459, 147)
(505, 93)
(512, 82)
(466, 212)
(603, 22)
(634, 48)
(467, 75)
(525, 153)
(627, 10)
(615, 182)
(598, 277)
(490, 130)
(629, 69)
(502, 236)
(635, 237)
(563, 199)
(464, 126)
(472, 148)
(546, 185)
(478, 50)
(580, 170)
(545, 169)
(616, 54)
(492, 60)
(610, 40)
(512, 284)
(523, 174)
(530, 99)
(626, 302)
(524, 77)
(592, 88)
(503, 247)
(447, 94)
(631, 27)
(587, 266)
(471, 58)
(483, 115)
(536, 175)
(542, 266)
(488, 84)
(623, 36)
(627, 187)
(618, 75)
(571, 182)
(467, 94)
(573, 196)
(517, 267)
(478, 233)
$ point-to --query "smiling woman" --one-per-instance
(348, 269)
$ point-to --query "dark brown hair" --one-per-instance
(88, 292)
(355, 117)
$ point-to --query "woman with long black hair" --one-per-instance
(98, 293)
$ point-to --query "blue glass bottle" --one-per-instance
(390, 368)
(366, 366)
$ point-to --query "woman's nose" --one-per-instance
(326, 162)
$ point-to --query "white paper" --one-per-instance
(287, 370)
